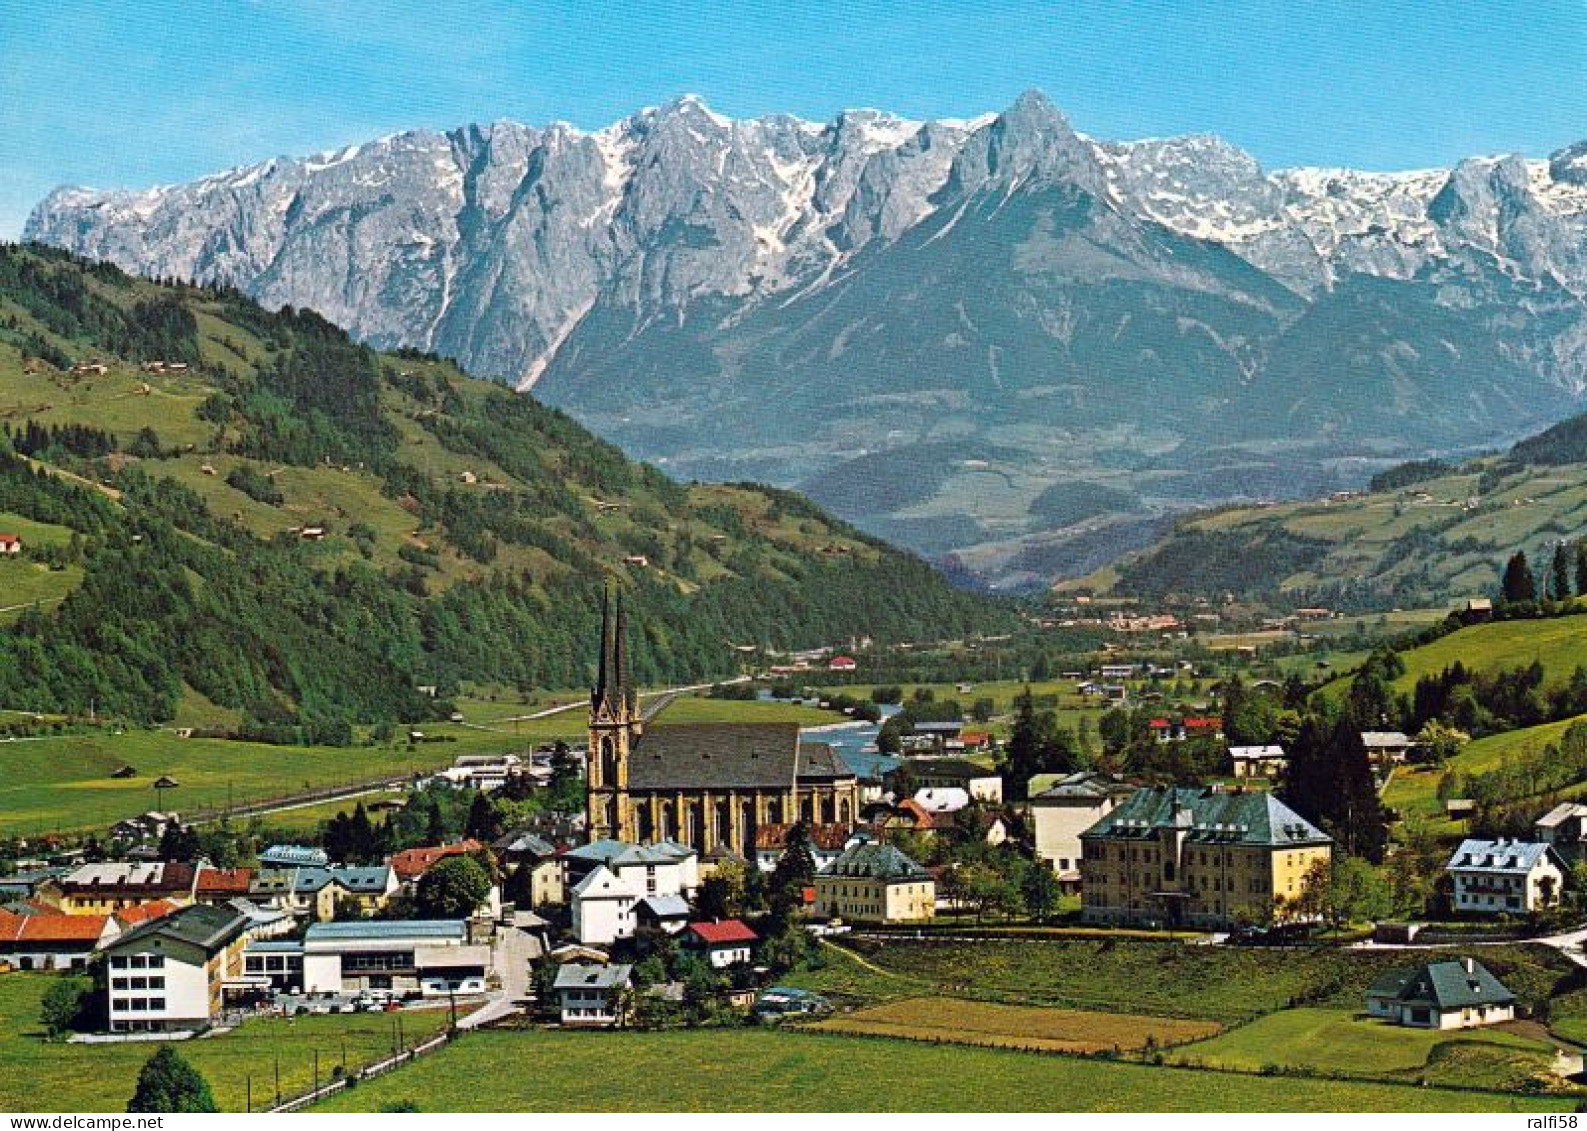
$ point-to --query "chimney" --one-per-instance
(1471, 966)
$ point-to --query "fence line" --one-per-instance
(368, 1072)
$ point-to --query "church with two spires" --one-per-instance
(709, 785)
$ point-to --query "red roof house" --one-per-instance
(411, 863)
(216, 885)
(53, 941)
(130, 917)
(842, 664)
(723, 932)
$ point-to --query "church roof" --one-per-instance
(729, 756)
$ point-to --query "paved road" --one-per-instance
(667, 693)
(510, 957)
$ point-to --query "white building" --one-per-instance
(1564, 828)
(942, 802)
(428, 956)
(614, 876)
(1457, 994)
(724, 942)
(980, 783)
(1067, 808)
(1258, 761)
(173, 973)
(592, 996)
(1495, 877)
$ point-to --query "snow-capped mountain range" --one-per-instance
(793, 300)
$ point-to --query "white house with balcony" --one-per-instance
(1498, 877)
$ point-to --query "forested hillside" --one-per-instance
(246, 506)
(1426, 532)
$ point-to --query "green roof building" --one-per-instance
(1201, 857)
(1455, 994)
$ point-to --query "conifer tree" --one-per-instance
(1518, 585)
(168, 1083)
(1559, 574)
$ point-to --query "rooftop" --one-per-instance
(1209, 816)
(578, 975)
(728, 756)
(1518, 856)
(723, 932)
(876, 861)
(1453, 984)
(202, 925)
(386, 928)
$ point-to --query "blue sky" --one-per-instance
(118, 93)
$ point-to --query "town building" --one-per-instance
(875, 883)
(283, 856)
(53, 941)
(1498, 877)
(172, 973)
(432, 957)
(276, 962)
(1258, 761)
(704, 784)
(607, 879)
(1454, 994)
(1200, 857)
(1564, 829)
(1067, 807)
(593, 996)
(533, 865)
(724, 942)
(103, 889)
(1386, 747)
(322, 893)
(827, 843)
(979, 782)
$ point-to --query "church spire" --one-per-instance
(613, 693)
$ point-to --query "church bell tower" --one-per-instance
(615, 726)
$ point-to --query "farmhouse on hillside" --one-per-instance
(1257, 761)
(1564, 829)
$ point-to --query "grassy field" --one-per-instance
(1344, 1042)
(701, 709)
(65, 782)
(38, 1076)
(766, 1070)
(962, 1021)
(1558, 643)
(1158, 979)
(26, 583)
(1415, 788)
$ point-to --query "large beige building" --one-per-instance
(1067, 808)
(1198, 857)
(708, 785)
(875, 883)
